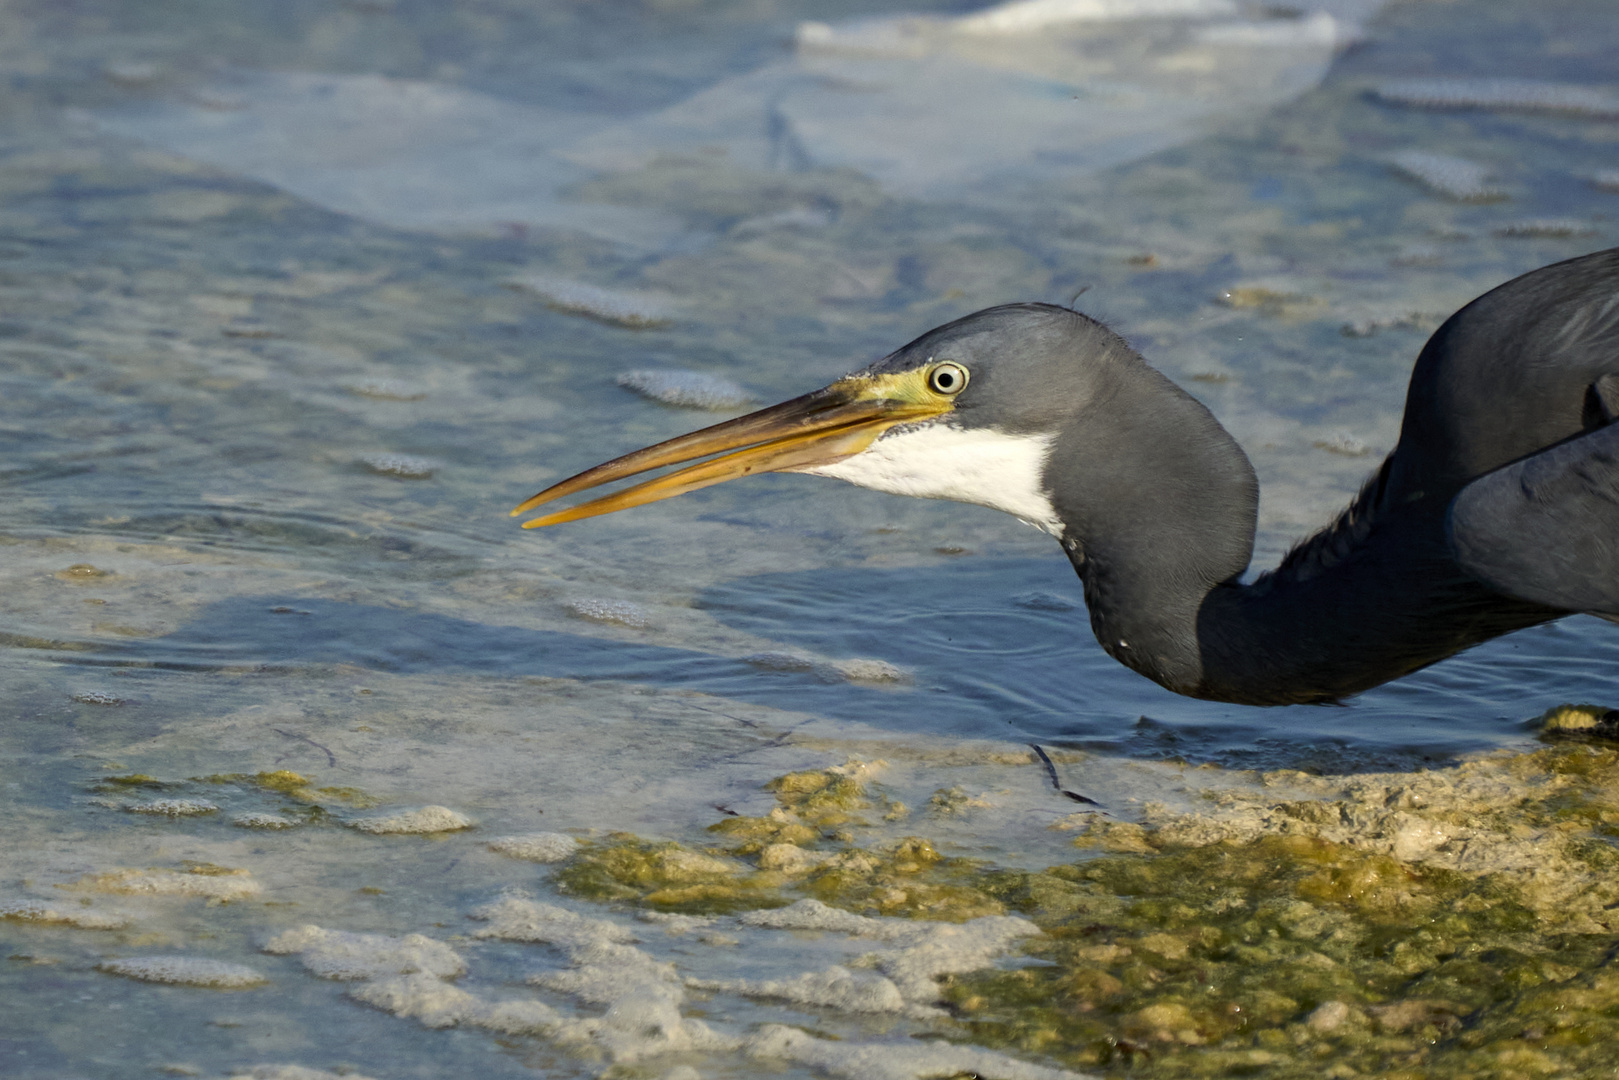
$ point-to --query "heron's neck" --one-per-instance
(1374, 596)
(1158, 505)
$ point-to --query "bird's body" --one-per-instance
(1497, 510)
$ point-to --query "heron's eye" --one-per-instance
(947, 378)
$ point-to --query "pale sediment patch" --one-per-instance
(515, 918)
(293, 1072)
(615, 612)
(1343, 444)
(815, 915)
(264, 821)
(1470, 819)
(426, 820)
(1536, 227)
(1452, 177)
(385, 389)
(925, 950)
(863, 670)
(545, 847)
(686, 389)
(909, 1060)
(38, 911)
(675, 924)
(184, 971)
(210, 882)
(1519, 94)
(403, 466)
(173, 807)
(947, 948)
(622, 307)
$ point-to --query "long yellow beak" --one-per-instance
(816, 429)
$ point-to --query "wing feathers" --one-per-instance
(1546, 528)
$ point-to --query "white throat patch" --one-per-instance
(977, 465)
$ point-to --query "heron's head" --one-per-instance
(971, 411)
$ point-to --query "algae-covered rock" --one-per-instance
(1454, 923)
(667, 876)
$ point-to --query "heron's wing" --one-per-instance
(1546, 528)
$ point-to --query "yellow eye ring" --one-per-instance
(947, 378)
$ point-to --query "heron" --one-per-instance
(1498, 509)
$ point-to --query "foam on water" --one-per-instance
(337, 954)
(835, 988)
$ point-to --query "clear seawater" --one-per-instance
(252, 255)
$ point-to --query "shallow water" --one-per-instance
(270, 377)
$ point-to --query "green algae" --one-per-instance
(802, 848)
(294, 786)
(131, 780)
(1278, 953)
(666, 877)
(1452, 924)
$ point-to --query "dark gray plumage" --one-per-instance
(1159, 502)
(1497, 510)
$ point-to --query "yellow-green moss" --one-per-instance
(1295, 956)
(294, 786)
(1302, 943)
(666, 876)
(133, 780)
